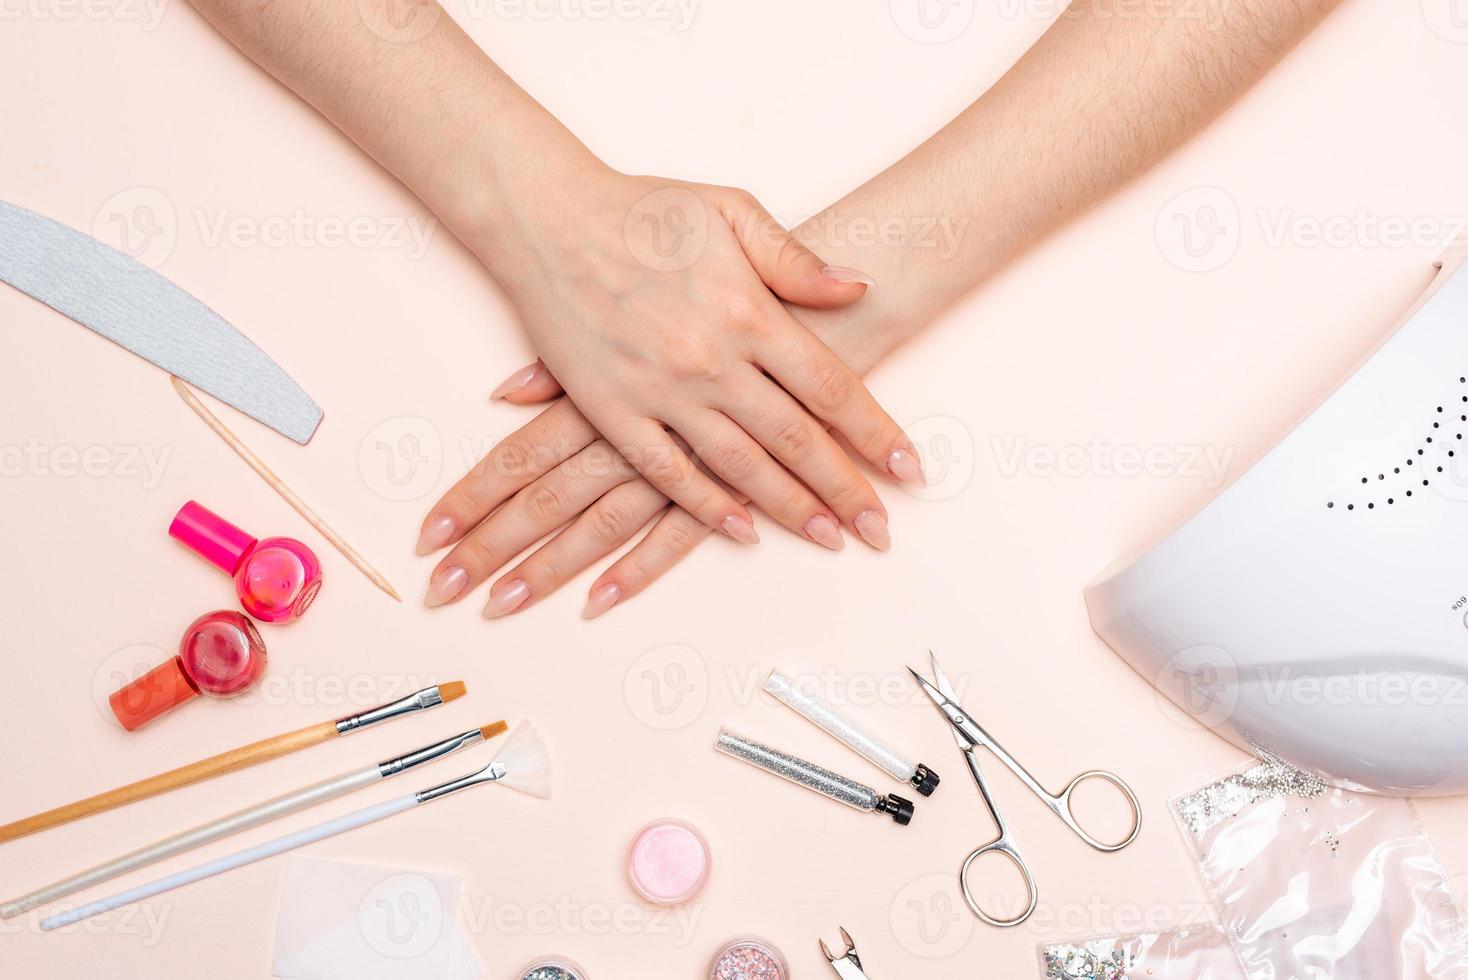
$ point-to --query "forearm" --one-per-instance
(405, 83)
(1108, 91)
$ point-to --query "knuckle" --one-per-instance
(791, 253)
(833, 388)
(544, 501)
(509, 459)
(666, 469)
(735, 461)
(847, 490)
(793, 440)
(609, 524)
(477, 552)
(679, 536)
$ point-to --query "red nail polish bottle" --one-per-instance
(221, 655)
(276, 578)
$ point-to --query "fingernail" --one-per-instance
(872, 527)
(603, 597)
(504, 599)
(740, 529)
(842, 274)
(824, 532)
(515, 382)
(905, 466)
(436, 534)
(446, 586)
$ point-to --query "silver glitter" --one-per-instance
(798, 771)
(550, 973)
(1332, 841)
(861, 741)
(1101, 959)
(1206, 808)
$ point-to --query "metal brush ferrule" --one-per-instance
(424, 699)
(491, 772)
(427, 754)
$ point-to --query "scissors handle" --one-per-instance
(1004, 847)
(1061, 805)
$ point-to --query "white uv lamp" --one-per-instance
(1316, 610)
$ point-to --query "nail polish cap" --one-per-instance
(210, 536)
(160, 690)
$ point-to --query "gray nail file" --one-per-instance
(133, 306)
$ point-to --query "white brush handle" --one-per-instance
(237, 860)
(235, 823)
(859, 739)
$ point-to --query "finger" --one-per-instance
(528, 516)
(601, 529)
(832, 392)
(671, 539)
(549, 439)
(731, 454)
(664, 464)
(532, 383)
(791, 271)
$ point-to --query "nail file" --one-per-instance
(128, 303)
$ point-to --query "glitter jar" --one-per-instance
(551, 968)
(668, 862)
(749, 958)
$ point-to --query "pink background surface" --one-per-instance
(1113, 335)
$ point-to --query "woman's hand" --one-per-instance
(556, 472)
(654, 303)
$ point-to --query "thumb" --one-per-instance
(791, 271)
(532, 383)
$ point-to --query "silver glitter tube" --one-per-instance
(813, 777)
(852, 734)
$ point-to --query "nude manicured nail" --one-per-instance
(446, 586)
(872, 527)
(515, 382)
(740, 529)
(905, 466)
(824, 532)
(603, 597)
(436, 534)
(505, 599)
(842, 274)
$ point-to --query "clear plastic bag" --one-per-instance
(1196, 953)
(1318, 883)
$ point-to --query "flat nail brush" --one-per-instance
(235, 823)
(853, 735)
(813, 777)
(523, 764)
(235, 759)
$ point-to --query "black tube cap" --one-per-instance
(924, 780)
(900, 810)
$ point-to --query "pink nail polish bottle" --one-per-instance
(221, 655)
(276, 578)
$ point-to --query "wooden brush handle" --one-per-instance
(195, 772)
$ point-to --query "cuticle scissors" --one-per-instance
(971, 736)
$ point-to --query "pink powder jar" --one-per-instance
(669, 862)
(749, 958)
